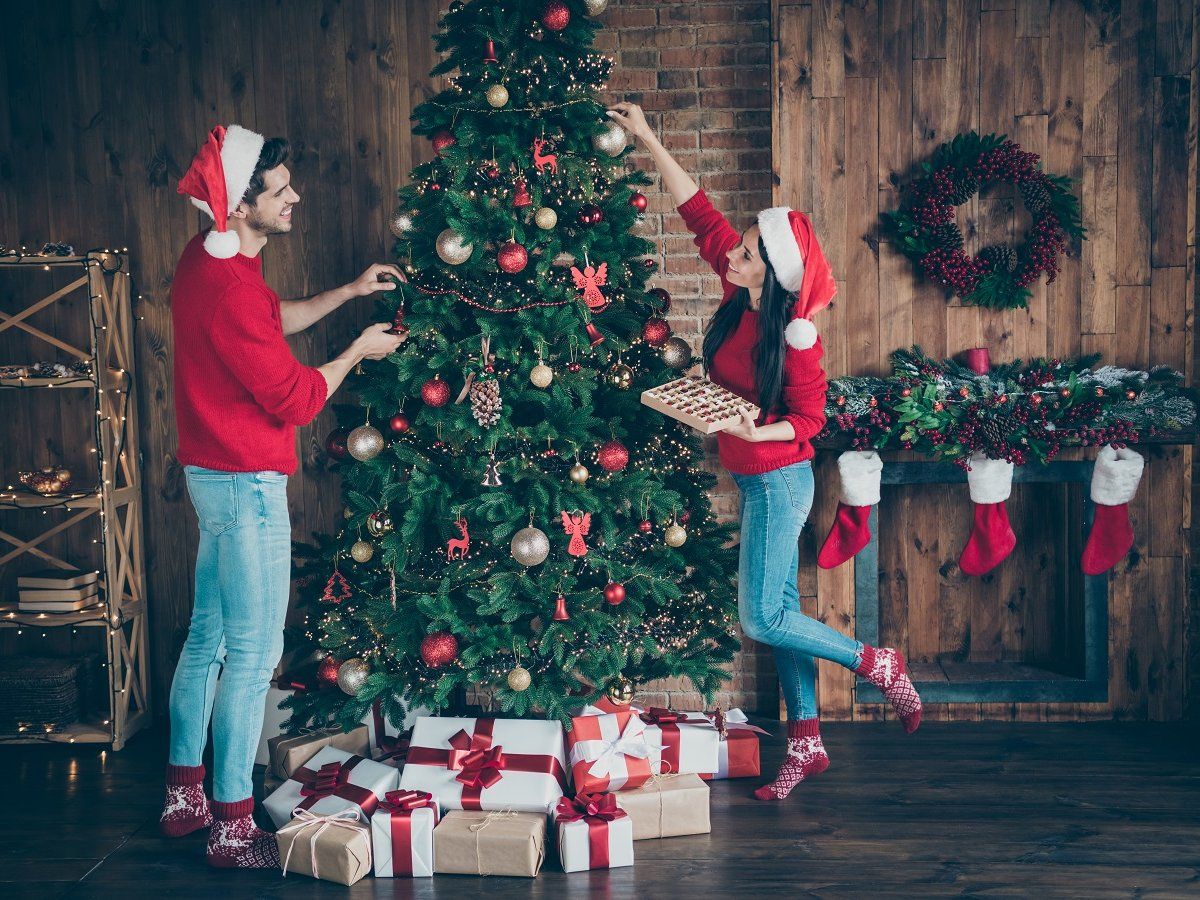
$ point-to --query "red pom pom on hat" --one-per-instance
(218, 179)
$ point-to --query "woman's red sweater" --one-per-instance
(803, 396)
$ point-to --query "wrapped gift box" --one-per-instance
(667, 806)
(485, 764)
(331, 781)
(273, 719)
(290, 752)
(612, 752)
(335, 847)
(738, 755)
(689, 743)
(471, 842)
(593, 833)
(402, 835)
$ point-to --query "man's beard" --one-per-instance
(262, 226)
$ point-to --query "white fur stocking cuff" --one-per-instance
(859, 471)
(990, 480)
(1116, 476)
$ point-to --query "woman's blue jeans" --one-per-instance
(774, 507)
(243, 574)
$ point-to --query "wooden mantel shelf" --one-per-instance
(841, 441)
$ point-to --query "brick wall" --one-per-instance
(702, 73)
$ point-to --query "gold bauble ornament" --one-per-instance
(401, 222)
(364, 442)
(379, 524)
(677, 353)
(453, 248)
(595, 7)
(541, 375)
(347, 513)
(497, 96)
(579, 473)
(519, 679)
(611, 140)
(620, 691)
(530, 546)
(352, 674)
(620, 376)
(675, 535)
(546, 218)
(362, 551)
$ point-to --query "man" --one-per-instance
(239, 395)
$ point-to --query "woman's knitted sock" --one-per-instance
(235, 842)
(186, 808)
(885, 669)
(805, 757)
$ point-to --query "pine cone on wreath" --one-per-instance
(965, 184)
(1035, 193)
(1001, 257)
(946, 237)
(486, 402)
(996, 430)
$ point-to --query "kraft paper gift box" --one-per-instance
(689, 743)
(738, 754)
(612, 752)
(290, 752)
(593, 833)
(335, 847)
(485, 764)
(667, 806)
(496, 842)
(402, 835)
(331, 781)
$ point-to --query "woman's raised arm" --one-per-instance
(678, 183)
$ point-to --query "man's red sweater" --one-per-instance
(804, 386)
(239, 391)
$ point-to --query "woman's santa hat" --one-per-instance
(800, 267)
(218, 179)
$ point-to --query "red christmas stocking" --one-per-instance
(859, 471)
(992, 538)
(1115, 480)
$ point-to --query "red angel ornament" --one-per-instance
(576, 524)
(590, 281)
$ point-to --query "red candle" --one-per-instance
(978, 360)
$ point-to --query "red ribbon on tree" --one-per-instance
(333, 780)
(597, 810)
(400, 806)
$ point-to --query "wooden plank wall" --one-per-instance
(102, 106)
(1107, 93)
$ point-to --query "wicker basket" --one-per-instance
(38, 693)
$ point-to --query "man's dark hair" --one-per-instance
(274, 153)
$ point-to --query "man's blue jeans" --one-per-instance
(243, 574)
(774, 507)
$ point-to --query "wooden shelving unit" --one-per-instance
(112, 505)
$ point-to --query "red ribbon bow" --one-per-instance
(597, 810)
(322, 783)
(656, 715)
(480, 768)
(407, 801)
(333, 780)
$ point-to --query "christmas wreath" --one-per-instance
(1018, 412)
(999, 276)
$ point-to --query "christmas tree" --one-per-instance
(526, 526)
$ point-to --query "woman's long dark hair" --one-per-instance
(774, 311)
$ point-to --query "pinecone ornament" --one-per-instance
(1001, 257)
(486, 402)
(964, 184)
(946, 237)
(1035, 193)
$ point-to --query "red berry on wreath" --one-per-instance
(614, 593)
(964, 393)
(907, 392)
(638, 201)
(556, 16)
(1131, 395)
(335, 443)
(439, 649)
(435, 392)
(656, 332)
(612, 456)
(443, 139)
(1064, 392)
(512, 257)
(327, 671)
(399, 423)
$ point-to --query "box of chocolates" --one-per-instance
(699, 403)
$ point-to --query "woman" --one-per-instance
(761, 345)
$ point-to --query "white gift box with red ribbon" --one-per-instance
(690, 744)
(331, 781)
(489, 764)
(402, 835)
(593, 833)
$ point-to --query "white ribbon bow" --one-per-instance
(607, 755)
(303, 818)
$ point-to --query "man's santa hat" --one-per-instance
(218, 179)
(800, 267)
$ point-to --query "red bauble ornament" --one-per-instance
(591, 215)
(614, 594)
(638, 201)
(399, 423)
(435, 392)
(335, 443)
(650, 264)
(645, 526)
(327, 671)
(685, 517)
(656, 332)
(573, 367)
(492, 172)
(442, 140)
(560, 609)
(556, 16)
(662, 298)
(439, 649)
(612, 456)
(512, 257)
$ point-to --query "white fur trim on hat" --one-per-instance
(783, 250)
(222, 244)
(860, 473)
(800, 333)
(239, 155)
(989, 480)
(1116, 475)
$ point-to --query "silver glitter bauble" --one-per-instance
(364, 442)
(677, 353)
(352, 674)
(541, 375)
(362, 551)
(530, 546)
(401, 222)
(453, 248)
(675, 535)
(497, 96)
(611, 140)
(546, 218)
(595, 7)
(519, 679)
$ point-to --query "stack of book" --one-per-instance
(58, 590)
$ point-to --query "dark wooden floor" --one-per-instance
(983, 810)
